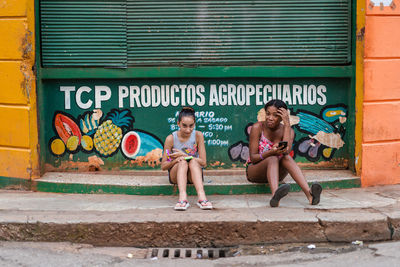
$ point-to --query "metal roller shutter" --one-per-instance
(83, 33)
(192, 32)
(238, 32)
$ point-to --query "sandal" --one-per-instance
(282, 191)
(185, 207)
(203, 204)
(315, 192)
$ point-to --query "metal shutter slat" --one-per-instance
(83, 33)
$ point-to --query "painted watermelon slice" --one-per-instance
(130, 144)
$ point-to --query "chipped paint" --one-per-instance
(334, 163)
(26, 64)
(360, 34)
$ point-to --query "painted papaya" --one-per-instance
(66, 128)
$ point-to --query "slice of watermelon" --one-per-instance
(130, 144)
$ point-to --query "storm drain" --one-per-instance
(192, 253)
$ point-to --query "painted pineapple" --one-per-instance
(109, 134)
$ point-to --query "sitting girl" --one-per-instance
(184, 157)
(270, 144)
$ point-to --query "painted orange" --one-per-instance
(382, 36)
(383, 79)
(12, 33)
(14, 127)
(381, 112)
(15, 163)
(380, 164)
(11, 79)
(382, 121)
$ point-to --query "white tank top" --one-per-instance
(189, 147)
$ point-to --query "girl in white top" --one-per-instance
(184, 157)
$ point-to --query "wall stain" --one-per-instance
(334, 163)
(360, 34)
(27, 64)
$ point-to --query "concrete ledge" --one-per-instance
(143, 229)
(151, 234)
(209, 229)
(343, 215)
(393, 214)
(345, 226)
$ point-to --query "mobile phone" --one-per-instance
(188, 158)
(282, 144)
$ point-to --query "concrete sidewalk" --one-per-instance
(344, 215)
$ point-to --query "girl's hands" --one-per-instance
(284, 114)
(179, 159)
(177, 153)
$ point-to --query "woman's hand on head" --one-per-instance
(284, 114)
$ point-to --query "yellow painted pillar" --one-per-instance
(360, 32)
(18, 111)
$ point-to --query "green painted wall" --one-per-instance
(225, 107)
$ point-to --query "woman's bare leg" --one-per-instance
(256, 173)
(291, 166)
(273, 173)
(267, 170)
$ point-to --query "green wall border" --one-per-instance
(15, 183)
(200, 72)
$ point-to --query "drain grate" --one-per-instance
(193, 253)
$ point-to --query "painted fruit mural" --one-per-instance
(108, 135)
(105, 136)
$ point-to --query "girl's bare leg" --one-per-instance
(178, 174)
(196, 177)
(291, 166)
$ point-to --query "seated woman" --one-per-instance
(184, 157)
(269, 161)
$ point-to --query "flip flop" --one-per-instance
(316, 190)
(203, 204)
(187, 205)
(282, 191)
